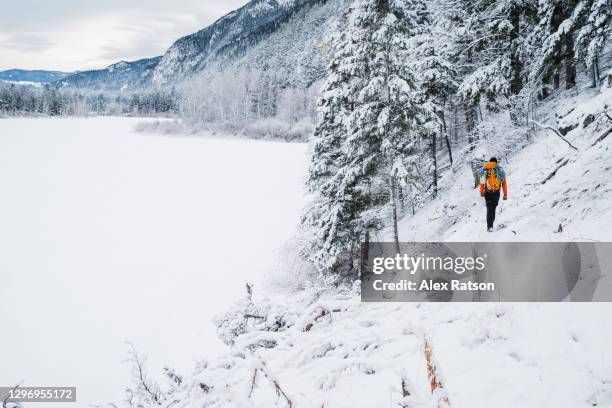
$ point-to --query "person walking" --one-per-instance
(492, 180)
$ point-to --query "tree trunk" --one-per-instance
(516, 81)
(446, 138)
(365, 254)
(394, 211)
(471, 119)
(570, 65)
(434, 151)
(456, 124)
(595, 72)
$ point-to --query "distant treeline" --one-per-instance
(27, 100)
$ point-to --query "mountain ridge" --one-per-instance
(117, 76)
(191, 53)
(218, 45)
(32, 75)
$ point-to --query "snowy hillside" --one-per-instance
(326, 350)
(297, 52)
(577, 197)
(232, 37)
(287, 38)
(322, 347)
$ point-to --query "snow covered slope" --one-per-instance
(321, 348)
(249, 35)
(287, 37)
(578, 197)
(329, 350)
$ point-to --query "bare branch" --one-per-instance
(139, 375)
(277, 388)
(253, 382)
(602, 136)
(554, 172)
(556, 132)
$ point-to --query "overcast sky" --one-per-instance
(70, 35)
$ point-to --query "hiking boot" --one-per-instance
(490, 229)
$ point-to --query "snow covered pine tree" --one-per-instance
(367, 144)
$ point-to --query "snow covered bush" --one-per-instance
(248, 316)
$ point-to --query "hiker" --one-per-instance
(492, 179)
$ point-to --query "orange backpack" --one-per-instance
(492, 178)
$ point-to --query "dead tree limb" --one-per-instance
(322, 313)
(253, 383)
(554, 172)
(277, 388)
(139, 376)
(602, 136)
(556, 133)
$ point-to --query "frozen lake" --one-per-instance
(108, 235)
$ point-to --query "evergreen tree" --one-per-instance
(568, 31)
(493, 35)
(434, 54)
(368, 137)
(593, 34)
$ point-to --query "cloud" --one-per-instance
(75, 35)
(29, 42)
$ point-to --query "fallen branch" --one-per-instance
(552, 174)
(253, 383)
(602, 136)
(322, 313)
(556, 132)
(277, 388)
(435, 383)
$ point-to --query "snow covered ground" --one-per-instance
(109, 235)
(487, 355)
(127, 236)
(578, 197)
(321, 348)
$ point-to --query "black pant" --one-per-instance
(492, 200)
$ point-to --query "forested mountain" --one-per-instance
(122, 75)
(248, 37)
(35, 76)
(228, 38)
(268, 88)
